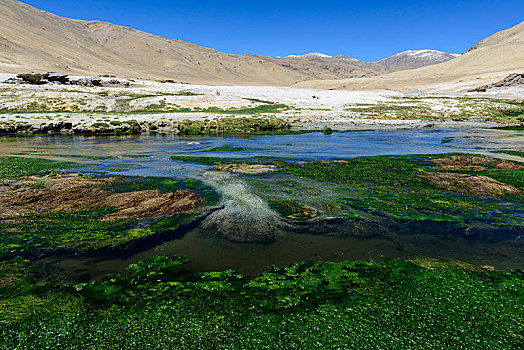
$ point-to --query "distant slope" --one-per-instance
(33, 40)
(488, 61)
(415, 59)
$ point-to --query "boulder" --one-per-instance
(115, 83)
(13, 81)
(60, 78)
(89, 82)
(34, 78)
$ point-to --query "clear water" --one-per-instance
(211, 252)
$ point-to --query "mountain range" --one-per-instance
(35, 40)
(487, 62)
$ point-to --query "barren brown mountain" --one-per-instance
(488, 61)
(35, 40)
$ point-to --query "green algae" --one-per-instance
(198, 159)
(60, 229)
(395, 186)
(225, 148)
(14, 167)
(164, 184)
(391, 185)
(84, 228)
(512, 152)
(394, 304)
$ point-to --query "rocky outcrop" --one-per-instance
(34, 78)
(13, 81)
(512, 80)
(61, 78)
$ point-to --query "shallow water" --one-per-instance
(309, 146)
(211, 252)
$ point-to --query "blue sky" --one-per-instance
(367, 29)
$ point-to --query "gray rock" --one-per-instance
(89, 82)
(13, 81)
(56, 77)
(34, 78)
(115, 83)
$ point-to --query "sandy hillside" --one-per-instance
(34, 40)
(488, 61)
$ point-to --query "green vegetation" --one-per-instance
(449, 108)
(200, 160)
(51, 105)
(164, 184)
(231, 125)
(510, 177)
(512, 152)
(100, 125)
(158, 304)
(76, 230)
(225, 148)
(82, 227)
(397, 186)
(15, 167)
(391, 171)
(259, 101)
(62, 229)
(187, 93)
(514, 113)
(392, 111)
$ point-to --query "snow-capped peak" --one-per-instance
(412, 59)
(312, 54)
(425, 53)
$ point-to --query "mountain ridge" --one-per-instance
(36, 40)
(488, 61)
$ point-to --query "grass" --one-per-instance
(455, 109)
(54, 106)
(157, 304)
(259, 101)
(233, 126)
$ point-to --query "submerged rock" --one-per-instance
(252, 169)
(75, 192)
(474, 185)
(474, 163)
